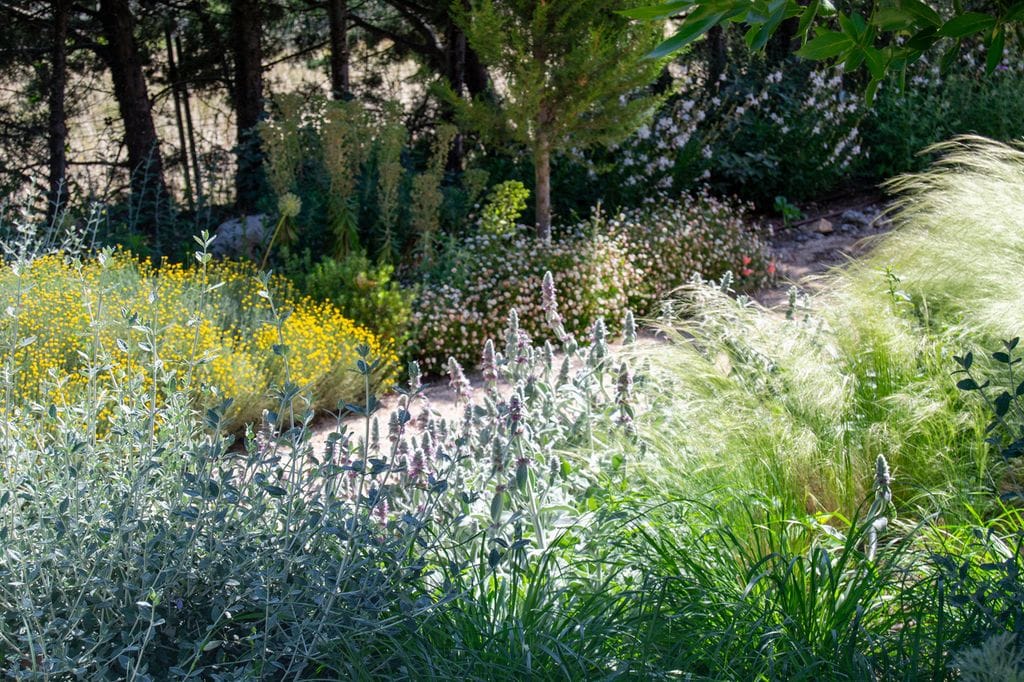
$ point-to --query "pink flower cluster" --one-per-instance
(600, 268)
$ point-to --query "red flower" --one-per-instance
(771, 268)
(746, 260)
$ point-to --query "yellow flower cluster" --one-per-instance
(206, 330)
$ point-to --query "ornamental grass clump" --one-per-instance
(796, 407)
(961, 254)
(865, 368)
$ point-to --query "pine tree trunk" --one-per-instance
(247, 39)
(147, 169)
(717, 56)
(542, 186)
(179, 118)
(190, 129)
(337, 18)
(455, 71)
(58, 128)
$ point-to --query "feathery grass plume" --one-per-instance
(959, 246)
(749, 399)
(865, 371)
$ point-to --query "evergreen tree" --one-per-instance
(571, 72)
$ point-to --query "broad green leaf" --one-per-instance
(923, 40)
(967, 24)
(807, 19)
(696, 25)
(995, 51)
(657, 12)
(876, 62)
(922, 13)
(949, 57)
(854, 26)
(826, 44)
(892, 19)
(869, 92)
(757, 37)
(1015, 13)
(757, 13)
(854, 59)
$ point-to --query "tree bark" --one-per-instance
(337, 18)
(147, 169)
(58, 128)
(247, 44)
(717, 57)
(542, 186)
(780, 45)
(455, 48)
(190, 129)
(179, 118)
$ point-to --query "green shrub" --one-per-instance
(365, 292)
(504, 205)
(934, 107)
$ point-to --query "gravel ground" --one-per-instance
(815, 245)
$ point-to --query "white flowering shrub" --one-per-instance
(601, 267)
(792, 131)
(937, 106)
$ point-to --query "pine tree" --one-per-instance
(570, 74)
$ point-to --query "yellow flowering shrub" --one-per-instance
(206, 330)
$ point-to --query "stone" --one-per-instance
(822, 226)
(854, 217)
(240, 236)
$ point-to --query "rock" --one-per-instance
(856, 218)
(822, 226)
(240, 236)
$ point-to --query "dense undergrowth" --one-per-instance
(796, 494)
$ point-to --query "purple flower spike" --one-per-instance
(457, 380)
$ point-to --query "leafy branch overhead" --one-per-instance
(886, 39)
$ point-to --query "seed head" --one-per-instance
(457, 380)
(628, 327)
(289, 205)
(489, 363)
